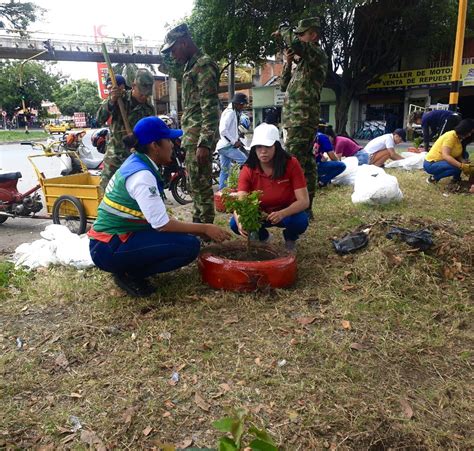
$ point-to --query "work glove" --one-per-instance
(467, 168)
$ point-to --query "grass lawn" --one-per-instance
(20, 135)
(378, 345)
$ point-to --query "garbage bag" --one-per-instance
(348, 176)
(374, 186)
(351, 243)
(419, 239)
(410, 161)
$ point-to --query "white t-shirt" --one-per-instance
(142, 187)
(228, 128)
(380, 143)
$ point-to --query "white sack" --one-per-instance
(411, 161)
(374, 186)
(348, 176)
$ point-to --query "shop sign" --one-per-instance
(423, 77)
(279, 97)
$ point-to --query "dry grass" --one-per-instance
(397, 374)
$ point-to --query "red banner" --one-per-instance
(102, 74)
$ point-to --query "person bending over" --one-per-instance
(445, 159)
(280, 178)
(346, 147)
(133, 237)
(382, 148)
(327, 169)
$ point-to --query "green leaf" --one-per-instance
(260, 445)
(227, 444)
(262, 435)
(224, 424)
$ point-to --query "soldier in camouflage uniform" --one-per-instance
(137, 106)
(303, 90)
(200, 121)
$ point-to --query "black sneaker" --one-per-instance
(431, 180)
(135, 287)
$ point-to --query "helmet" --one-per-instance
(99, 139)
(167, 120)
(245, 121)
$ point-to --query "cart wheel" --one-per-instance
(3, 218)
(180, 191)
(68, 211)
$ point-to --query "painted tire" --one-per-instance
(234, 275)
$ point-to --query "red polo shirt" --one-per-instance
(277, 194)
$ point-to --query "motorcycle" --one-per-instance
(175, 175)
(16, 204)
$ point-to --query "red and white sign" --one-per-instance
(102, 75)
(80, 119)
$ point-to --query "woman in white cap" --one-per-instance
(278, 175)
(133, 237)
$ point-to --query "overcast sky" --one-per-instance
(141, 18)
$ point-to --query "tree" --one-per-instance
(16, 15)
(38, 84)
(77, 96)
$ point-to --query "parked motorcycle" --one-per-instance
(16, 204)
(174, 175)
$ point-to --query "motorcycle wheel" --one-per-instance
(3, 218)
(179, 190)
(68, 211)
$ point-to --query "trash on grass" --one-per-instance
(420, 239)
(76, 423)
(351, 242)
(19, 343)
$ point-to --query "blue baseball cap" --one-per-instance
(152, 128)
(120, 81)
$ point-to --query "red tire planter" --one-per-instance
(235, 275)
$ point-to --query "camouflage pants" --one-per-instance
(113, 159)
(200, 186)
(299, 142)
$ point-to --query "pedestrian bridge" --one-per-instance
(16, 47)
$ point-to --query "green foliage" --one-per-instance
(247, 208)
(78, 95)
(38, 84)
(6, 270)
(18, 15)
(233, 179)
(235, 426)
(171, 67)
(417, 141)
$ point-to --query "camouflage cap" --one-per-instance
(144, 81)
(173, 35)
(306, 24)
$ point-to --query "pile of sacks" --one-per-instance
(58, 246)
(372, 185)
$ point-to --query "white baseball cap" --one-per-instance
(265, 135)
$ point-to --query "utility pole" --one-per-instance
(457, 62)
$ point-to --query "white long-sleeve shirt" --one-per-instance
(228, 128)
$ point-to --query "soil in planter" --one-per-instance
(256, 253)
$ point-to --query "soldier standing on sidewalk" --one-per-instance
(303, 86)
(137, 105)
(200, 121)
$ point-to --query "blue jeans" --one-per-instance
(441, 169)
(293, 226)
(362, 156)
(227, 155)
(327, 170)
(145, 253)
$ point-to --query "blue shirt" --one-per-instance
(321, 145)
(435, 119)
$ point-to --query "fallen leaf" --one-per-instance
(61, 360)
(200, 402)
(392, 258)
(185, 444)
(128, 415)
(407, 410)
(357, 346)
(225, 387)
(305, 320)
(346, 324)
(294, 342)
(91, 438)
(293, 415)
(75, 395)
(166, 414)
(348, 287)
(258, 361)
(169, 404)
(231, 320)
(347, 274)
(147, 430)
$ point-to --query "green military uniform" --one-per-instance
(200, 123)
(116, 152)
(303, 91)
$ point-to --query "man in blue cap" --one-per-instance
(137, 106)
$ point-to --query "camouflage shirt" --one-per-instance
(200, 121)
(135, 112)
(303, 86)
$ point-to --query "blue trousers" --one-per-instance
(327, 170)
(293, 226)
(227, 155)
(145, 253)
(441, 169)
(362, 156)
